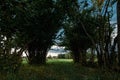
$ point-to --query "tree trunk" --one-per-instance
(76, 57)
(92, 56)
(36, 55)
(113, 53)
(41, 57)
(118, 22)
(31, 54)
(99, 57)
(83, 52)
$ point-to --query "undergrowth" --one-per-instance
(60, 70)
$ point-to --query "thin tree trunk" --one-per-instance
(83, 52)
(36, 54)
(76, 56)
(118, 22)
(113, 53)
(92, 56)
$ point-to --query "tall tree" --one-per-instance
(80, 19)
(45, 19)
(8, 29)
(76, 28)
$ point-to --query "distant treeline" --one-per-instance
(61, 56)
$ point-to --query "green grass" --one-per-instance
(60, 69)
(59, 61)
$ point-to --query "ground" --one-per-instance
(60, 69)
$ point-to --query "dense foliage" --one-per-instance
(88, 29)
(32, 26)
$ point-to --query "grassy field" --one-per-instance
(60, 69)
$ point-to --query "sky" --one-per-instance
(114, 18)
(55, 50)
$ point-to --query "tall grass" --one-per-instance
(60, 69)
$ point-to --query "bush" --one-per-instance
(65, 56)
(68, 56)
(61, 56)
(10, 63)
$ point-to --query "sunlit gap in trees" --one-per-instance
(54, 51)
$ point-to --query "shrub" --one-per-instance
(65, 56)
(61, 56)
(10, 63)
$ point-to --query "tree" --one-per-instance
(104, 14)
(44, 20)
(32, 26)
(8, 29)
(75, 38)
(89, 27)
